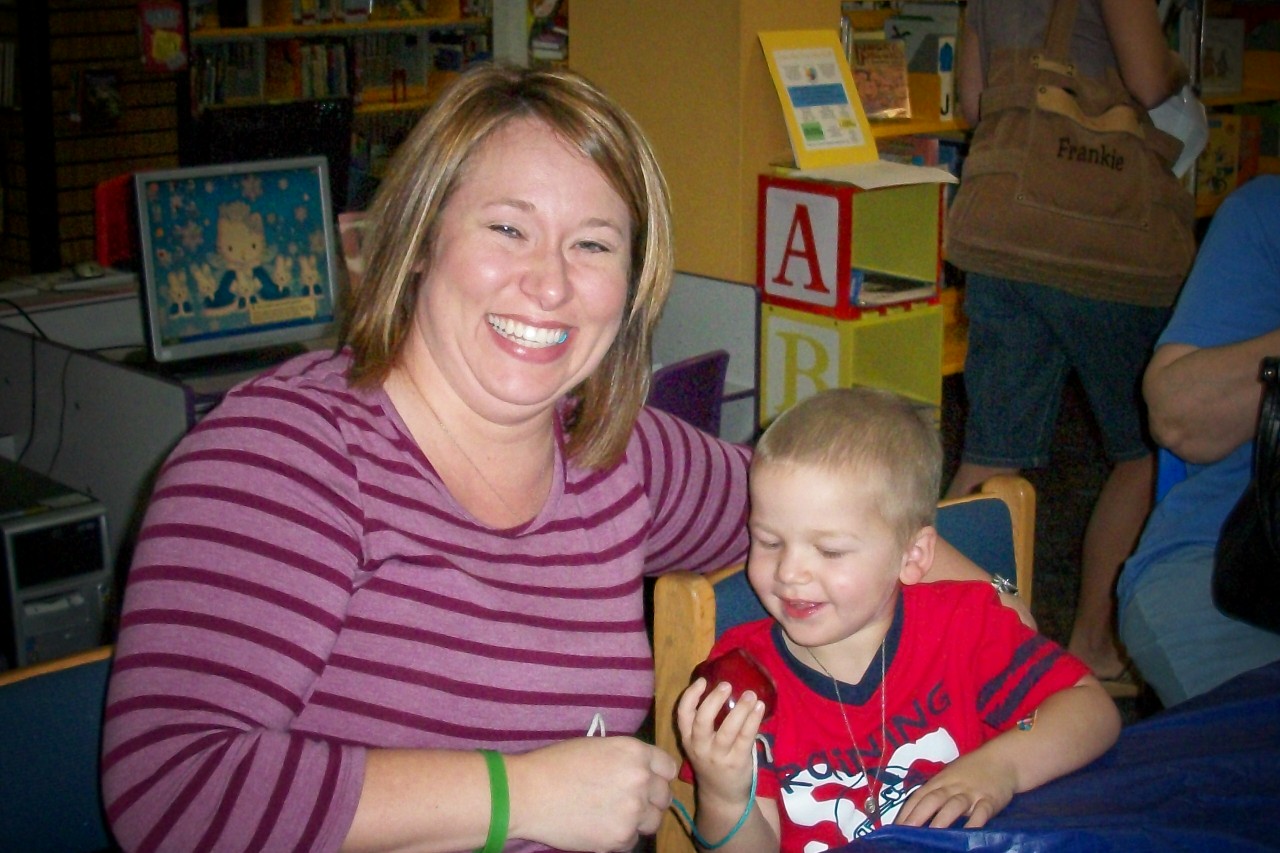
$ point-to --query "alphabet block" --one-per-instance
(801, 353)
(817, 241)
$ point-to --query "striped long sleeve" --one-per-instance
(305, 588)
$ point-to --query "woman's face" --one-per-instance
(529, 275)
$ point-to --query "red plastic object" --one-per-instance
(113, 237)
(742, 672)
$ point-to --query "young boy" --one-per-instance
(897, 702)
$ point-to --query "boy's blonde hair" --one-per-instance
(868, 433)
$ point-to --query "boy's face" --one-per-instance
(823, 560)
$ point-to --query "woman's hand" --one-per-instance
(590, 793)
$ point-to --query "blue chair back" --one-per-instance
(50, 735)
(982, 530)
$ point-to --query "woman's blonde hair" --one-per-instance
(399, 233)
(869, 433)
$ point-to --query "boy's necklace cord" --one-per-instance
(871, 806)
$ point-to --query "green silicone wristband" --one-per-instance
(499, 802)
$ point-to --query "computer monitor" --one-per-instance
(236, 257)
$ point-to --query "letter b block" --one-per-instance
(801, 353)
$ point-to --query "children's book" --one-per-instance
(880, 74)
(1218, 165)
(98, 100)
(824, 115)
(916, 149)
(870, 289)
(162, 35)
(1222, 56)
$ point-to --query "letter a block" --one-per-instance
(801, 353)
(813, 235)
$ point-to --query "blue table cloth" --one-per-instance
(1203, 776)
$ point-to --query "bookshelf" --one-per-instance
(890, 129)
(925, 112)
(712, 146)
(210, 35)
(692, 73)
(1261, 85)
(55, 149)
(382, 69)
(391, 64)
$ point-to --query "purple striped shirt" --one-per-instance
(304, 587)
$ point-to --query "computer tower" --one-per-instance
(56, 588)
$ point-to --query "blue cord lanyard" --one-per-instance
(751, 799)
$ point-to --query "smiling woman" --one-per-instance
(591, 137)
(366, 565)
(533, 247)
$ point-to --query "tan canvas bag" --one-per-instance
(1069, 184)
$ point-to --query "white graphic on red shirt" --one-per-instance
(829, 799)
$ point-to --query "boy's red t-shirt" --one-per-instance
(960, 669)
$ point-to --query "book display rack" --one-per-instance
(378, 59)
(1244, 131)
(390, 59)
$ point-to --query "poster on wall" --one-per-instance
(825, 118)
(98, 103)
(162, 35)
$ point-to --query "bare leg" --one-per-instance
(1117, 519)
(969, 476)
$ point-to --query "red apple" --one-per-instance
(742, 672)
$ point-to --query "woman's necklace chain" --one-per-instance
(872, 804)
(511, 511)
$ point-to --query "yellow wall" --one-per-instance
(693, 75)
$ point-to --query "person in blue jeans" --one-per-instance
(1026, 337)
(1203, 394)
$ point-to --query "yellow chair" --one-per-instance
(995, 528)
(50, 737)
